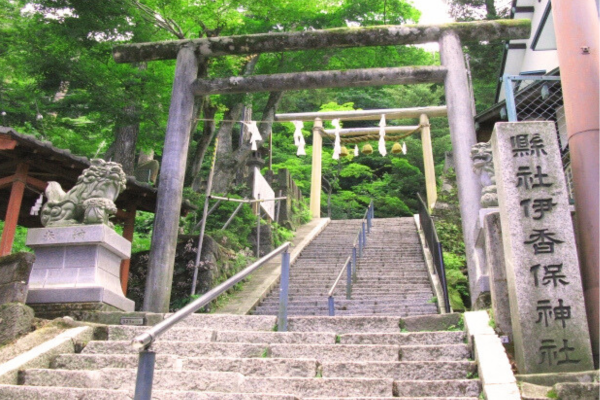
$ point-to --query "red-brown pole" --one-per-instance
(576, 27)
(13, 210)
(128, 228)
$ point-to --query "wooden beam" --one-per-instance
(363, 115)
(371, 130)
(7, 142)
(390, 35)
(37, 183)
(13, 210)
(7, 181)
(319, 79)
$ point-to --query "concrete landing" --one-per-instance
(262, 281)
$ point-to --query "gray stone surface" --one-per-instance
(403, 339)
(339, 352)
(228, 322)
(430, 370)
(114, 317)
(16, 319)
(344, 325)
(546, 298)
(561, 377)
(53, 393)
(124, 379)
(430, 322)
(324, 387)
(448, 352)
(494, 250)
(14, 277)
(578, 391)
(98, 295)
(455, 388)
(41, 356)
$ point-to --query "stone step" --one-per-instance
(187, 349)
(305, 368)
(358, 291)
(116, 333)
(319, 301)
(228, 322)
(349, 309)
(405, 338)
(341, 325)
(437, 388)
(322, 352)
(423, 370)
(227, 382)
(321, 387)
(63, 393)
(426, 295)
(358, 313)
(124, 379)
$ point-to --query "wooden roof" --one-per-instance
(48, 163)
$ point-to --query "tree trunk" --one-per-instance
(207, 135)
(126, 140)
(229, 162)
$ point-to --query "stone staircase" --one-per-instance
(231, 357)
(379, 346)
(392, 276)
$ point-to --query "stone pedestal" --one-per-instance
(78, 265)
(542, 269)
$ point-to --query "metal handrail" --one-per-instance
(435, 248)
(359, 243)
(345, 267)
(142, 342)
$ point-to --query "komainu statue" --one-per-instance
(483, 165)
(90, 201)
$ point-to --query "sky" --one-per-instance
(432, 12)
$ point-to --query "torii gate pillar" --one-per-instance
(462, 135)
(315, 179)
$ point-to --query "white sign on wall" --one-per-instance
(262, 190)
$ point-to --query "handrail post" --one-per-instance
(369, 220)
(364, 234)
(360, 244)
(283, 292)
(145, 375)
(348, 280)
(331, 306)
(354, 266)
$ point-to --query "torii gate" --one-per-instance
(186, 86)
(423, 113)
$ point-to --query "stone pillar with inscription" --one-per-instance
(544, 282)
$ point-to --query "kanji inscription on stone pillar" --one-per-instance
(544, 283)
